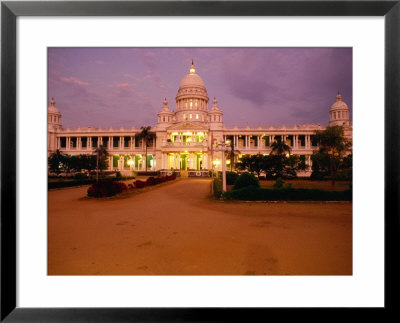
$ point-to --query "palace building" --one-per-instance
(187, 136)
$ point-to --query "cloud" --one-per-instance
(74, 81)
(156, 80)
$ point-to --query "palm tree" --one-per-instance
(230, 154)
(101, 160)
(278, 147)
(147, 137)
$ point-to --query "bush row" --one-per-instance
(79, 182)
(217, 188)
(61, 184)
(253, 193)
(154, 181)
(105, 188)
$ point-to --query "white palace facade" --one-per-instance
(187, 138)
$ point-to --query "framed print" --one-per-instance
(359, 38)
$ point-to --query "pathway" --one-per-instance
(177, 229)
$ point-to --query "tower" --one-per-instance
(339, 113)
(53, 125)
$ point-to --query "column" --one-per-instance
(121, 142)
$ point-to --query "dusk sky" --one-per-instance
(255, 86)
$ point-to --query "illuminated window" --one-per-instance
(186, 104)
(197, 116)
(195, 104)
(190, 116)
(202, 118)
(191, 104)
(184, 116)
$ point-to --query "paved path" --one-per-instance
(177, 229)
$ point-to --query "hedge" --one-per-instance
(252, 193)
(217, 188)
(62, 184)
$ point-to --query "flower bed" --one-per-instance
(154, 181)
(105, 188)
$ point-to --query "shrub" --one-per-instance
(79, 176)
(252, 193)
(140, 184)
(231, 177)
(279, 182)
(246, 179)
(171, 177)
(217, 188)
(151, 181)
(106, 188)
(118, 175)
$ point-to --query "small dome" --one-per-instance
(52, 108)
(192, 79)
(339, 104)
(165, 105)
(215, 105)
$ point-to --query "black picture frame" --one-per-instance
(10, 10)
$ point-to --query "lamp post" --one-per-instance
(223, 148)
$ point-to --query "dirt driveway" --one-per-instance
(177, 229)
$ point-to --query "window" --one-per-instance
(190, 116)
(197, 116)
(184, 116)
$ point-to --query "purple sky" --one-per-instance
(259, 86)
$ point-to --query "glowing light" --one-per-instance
(130, 162)
(216, 162)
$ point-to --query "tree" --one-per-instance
(333, 147)
(55, 162)
(278, 147)
(146, 136)
(230, 154)
(253, 163)
(101, 154)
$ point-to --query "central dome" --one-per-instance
(192, 79)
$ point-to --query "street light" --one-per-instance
(223, 148)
